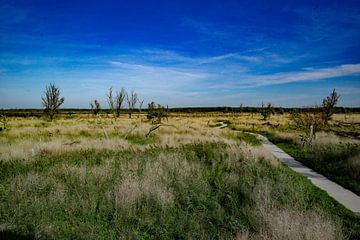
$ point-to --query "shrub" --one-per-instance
(328, 106)
(156, 113)
(266, 111)
(95, 107)
(309, 123)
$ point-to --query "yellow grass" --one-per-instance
(28, 138)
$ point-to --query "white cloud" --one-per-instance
(171, 56)
(308, 74)
(254, 59)
(154, 80)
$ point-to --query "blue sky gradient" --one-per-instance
(180, 53)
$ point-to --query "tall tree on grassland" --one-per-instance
(120, 97)
(115, 103)
(111, 102)
(132, 100)
(52, 100)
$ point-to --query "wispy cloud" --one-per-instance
(159, 77)
(235, 56)
(167, 56)
(306, 75)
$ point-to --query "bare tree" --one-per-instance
(141, 102)
(52, 100)
(116, 103)
(328, 106)
(120, 97)
(95, 107)
(132, 100)
(111, 102)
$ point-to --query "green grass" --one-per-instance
(74, 195)
(248, 138)
(329, 159)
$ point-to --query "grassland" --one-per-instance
(81, 177)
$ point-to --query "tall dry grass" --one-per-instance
(83, 177)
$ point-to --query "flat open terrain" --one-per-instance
(87, 177)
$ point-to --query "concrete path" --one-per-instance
(222, 125)
(342, 195)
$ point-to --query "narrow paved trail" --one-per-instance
(347, 198)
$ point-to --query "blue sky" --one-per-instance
(180, 53)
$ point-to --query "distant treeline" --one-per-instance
(256, 109)
(72, 111)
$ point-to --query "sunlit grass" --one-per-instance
(87, 177)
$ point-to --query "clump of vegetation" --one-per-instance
(328, 106)
(266, 111)
(52, 100)
(95, 107)
(155, 113)
(311, 122)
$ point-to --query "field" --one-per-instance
(94, 177)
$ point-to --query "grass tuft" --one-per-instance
(141, 140)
